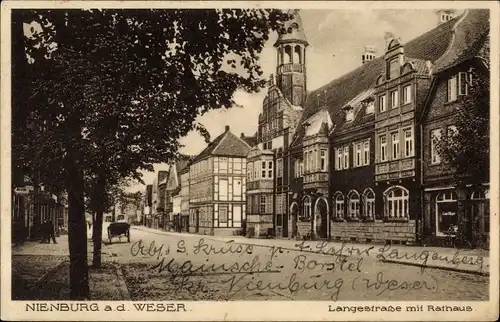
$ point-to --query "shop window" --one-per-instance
(446, 213)
(306, 213)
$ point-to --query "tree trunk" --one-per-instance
(77, 234)
(99, 193)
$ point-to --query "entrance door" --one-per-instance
(321, 219)
(197, 221)
(285, 225)
(294, 214)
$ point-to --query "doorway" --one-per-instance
(294, 213)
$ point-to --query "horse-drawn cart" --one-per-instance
(119, 229)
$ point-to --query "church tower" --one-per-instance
(291, 60)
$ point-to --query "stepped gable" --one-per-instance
(439, 45)
(227, 144)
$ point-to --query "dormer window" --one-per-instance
(370, 108)
(393, 68)
(349, 114)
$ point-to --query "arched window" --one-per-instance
(369, 204)
(353, 210)
(306, 210)
(396, 203)
(287, 59)
(480, 194)
(446, 212)
(297, 55)
(339, 205)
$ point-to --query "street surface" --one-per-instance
(164, 266)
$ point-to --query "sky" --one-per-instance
(336, 42)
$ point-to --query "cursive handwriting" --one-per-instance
(189, 268)
(303, 262)
(138, 248)
(241, 282)
(382, 284)
(229, 248)
(387, 252)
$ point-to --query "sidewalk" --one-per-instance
(41, 272)
(474, 261)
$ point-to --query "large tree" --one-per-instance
(467, 150)
(110, 92)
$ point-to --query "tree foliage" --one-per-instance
(102, 94)
(467, 149)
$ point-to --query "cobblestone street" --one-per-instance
(286, 274)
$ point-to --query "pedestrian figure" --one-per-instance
(44, 232)
(51, 232)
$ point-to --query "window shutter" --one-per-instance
(449, 89)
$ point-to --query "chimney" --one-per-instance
(369, 54)
(445, 15)
(242, 135)
(227, 128)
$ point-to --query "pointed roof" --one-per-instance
(227, 144)
(292, 31)
(439, 46)
(250, 140)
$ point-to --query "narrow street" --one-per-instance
(163, 266)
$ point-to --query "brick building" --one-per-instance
(449, 208)
(353, 157)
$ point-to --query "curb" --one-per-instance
(49, 274)
(446, 268)
(122, 284)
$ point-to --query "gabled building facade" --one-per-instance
(217, 186)
(373, 141)
(451, 209)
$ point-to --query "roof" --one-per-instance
(227, 144)
(182, 165)
(472, 27)
(292, 31)
(250, 140)
(439, 45)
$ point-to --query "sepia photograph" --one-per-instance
(162, 157)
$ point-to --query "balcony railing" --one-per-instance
(288, 68)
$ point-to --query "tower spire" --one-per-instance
(291, 59)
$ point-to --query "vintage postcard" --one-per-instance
(249, 161)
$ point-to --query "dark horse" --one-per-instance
(118, 229)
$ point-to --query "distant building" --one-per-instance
(217, 186)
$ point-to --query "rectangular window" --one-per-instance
(237, 191)
(270, 169)
(383, 148)
(301, 168)
(262, 204)
(263, 169)
(296, 168)
(407, 94)
(250, 171)
(338, 159)
(366, 153)
(394, 99)
(279, 166)
(357, 161)
(382, 103)
(222, 214)
(323, 159)
(306, 160)
(452, 130)
(435, 138)
(346, 157)
(463, 83)
(452, 88)
(395, 145)
(223, 184)
(222, 165)
(408, 133)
